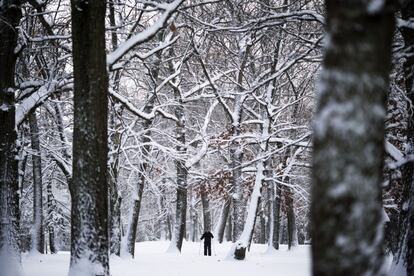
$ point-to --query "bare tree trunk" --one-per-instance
(50, 206)
(132, 227)
(181, 207)
(38, 237)
(349, 140)
(239, 249)
(239, 202)
(229, 227)
(193, 215)
(90, 237)
(206, 209)
(10, 262)
(405, 253)
(133, 223)
(291, 219)
(115, 199)
(223, 220)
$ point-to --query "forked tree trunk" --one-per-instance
(10, 263)
(90, 237)
(348, 140)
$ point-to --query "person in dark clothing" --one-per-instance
(207, 236)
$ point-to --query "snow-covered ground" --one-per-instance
(152, 259)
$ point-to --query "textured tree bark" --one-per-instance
(239, 202)
(115, 199)
(90, 237)
(132, 230)
(291, 219)
(133, 224)
(349, 131)
(206, 209)
(406, 224)
(50, 206)
(223, 220)
(38, 237)
(274, 215)
(240, 246)
(10, 262)
(181, 207)
(115, 232)
(229, 227)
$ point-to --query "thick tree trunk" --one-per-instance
(274, 215)
(349, 140)
(38, 237)
(229, 227)
(133, 224)
(206, 209)
(132, 227)
(90, 237)
(115, 219)
(10, 14)
(291, 219)
(406, 221)
(192, 232)
(238, 251)
(239, 201)
(181, 170)
(115, 199)
(223, 220)
(181, 207)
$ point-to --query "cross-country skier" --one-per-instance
(207, 236)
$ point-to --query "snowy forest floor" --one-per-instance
(151, 259)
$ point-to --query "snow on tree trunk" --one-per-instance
(348, 144)
(291, 219)
(193, 215)
(405, 254)
(236, 157)
(238, 250)
(115, 219)
(50, 208)
(221, 225)
(38, 237)
(115, 199)
(89, 217)
(206, 209)
(180, 164)
(229, 227)
(274, 216)
(10, 261)
(181, 207)
(131, 234)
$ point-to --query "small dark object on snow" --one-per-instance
(207, 236)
